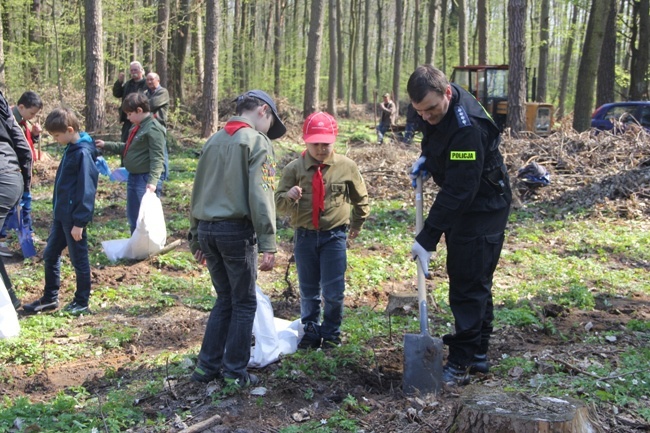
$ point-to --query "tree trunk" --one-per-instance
(516, 118)
(3, 83)
(340, 88)
(566, 63)
(312, 70)
(486, 410)
(416, 34)
(380, 46)
(238, 46)
(588, 69)
(210, 86)
(162, 33)
(333, 67)
(199, 47)
(35, 38)
(366, 55)
(445, 26)
(542, 66)
(482, 24)
(462, 32)
(277, 47)
(95, 111)
(640, 52)
(178, 52)
(354, 30)
(432, 32)
(606, 79)
(397, 60)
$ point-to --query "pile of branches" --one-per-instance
(601, 173)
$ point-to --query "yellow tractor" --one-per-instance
(489, 85)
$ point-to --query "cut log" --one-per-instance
(487, 410)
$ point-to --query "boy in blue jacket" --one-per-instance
(73, 201)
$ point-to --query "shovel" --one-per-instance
(422, 352)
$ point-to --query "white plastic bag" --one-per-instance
(273, 336)
(9, 326)
(149, 236)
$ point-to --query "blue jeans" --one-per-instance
(60, 238)
(382, 128)
(321, 261)
(230, 249)
(136, 186)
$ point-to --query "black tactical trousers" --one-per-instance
(473, 249)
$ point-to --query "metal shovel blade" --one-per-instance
(422, 362)
(422, 352)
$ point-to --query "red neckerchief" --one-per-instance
(134, 130)
(28, 136)
(318, 193)
(235, 125)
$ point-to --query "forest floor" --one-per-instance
(608, 175)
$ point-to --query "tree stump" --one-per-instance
(486, 410)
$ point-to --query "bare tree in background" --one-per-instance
(588, 69)
(606, 79)
(312, 69)
(640, 51)
(211, 83)
(542, 65)
(162, 42)
(482, 24)
(516, 118)
(95, 111)
(331, 81)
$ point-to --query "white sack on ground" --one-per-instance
(273, 336)
(149, 236)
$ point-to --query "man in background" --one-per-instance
(137, 83)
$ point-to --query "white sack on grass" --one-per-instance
(149, 236)
(273, 336)
(9, 326)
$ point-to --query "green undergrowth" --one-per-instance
(571, 262)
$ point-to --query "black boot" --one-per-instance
(479, 364)
(14, 299)
(455, 375)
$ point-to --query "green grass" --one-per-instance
(568, 261)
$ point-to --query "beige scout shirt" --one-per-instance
(344, 187)
(235, 180)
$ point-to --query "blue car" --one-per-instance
(616, 115)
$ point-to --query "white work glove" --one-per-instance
(418, 169)
(423, 256)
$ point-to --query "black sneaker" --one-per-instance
(312, 338)
(251, 380)
(76, 309)
(479, 364)
(202, 376)
(330, 343)
(454, 375)
(42, 304)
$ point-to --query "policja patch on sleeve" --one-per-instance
(462, 155)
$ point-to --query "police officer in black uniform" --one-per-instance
(460, 149)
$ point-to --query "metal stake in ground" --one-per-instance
(422, 352)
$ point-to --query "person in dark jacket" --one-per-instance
(15, 174)
(158, 98)
(460, 149)
(73, 203)
(138, 84)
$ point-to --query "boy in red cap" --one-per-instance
(316, 191)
